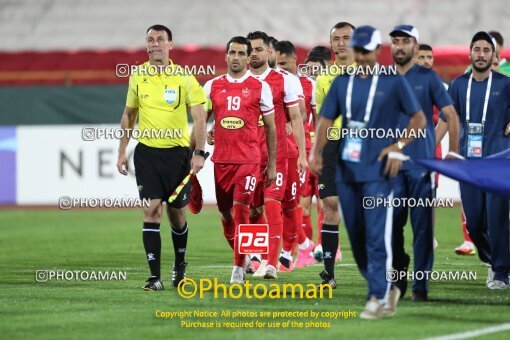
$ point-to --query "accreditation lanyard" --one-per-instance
(353, 145)
(485, 103)
(370, 101)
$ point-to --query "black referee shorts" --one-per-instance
(327, 179)
(159, 171)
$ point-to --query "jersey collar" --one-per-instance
(240, 80)
(264, 75)
(170, 64)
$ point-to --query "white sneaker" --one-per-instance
(373, 310)
(261, 271)
(237, 275)
(270, 272)
(490, 275)
(496, 284)
(435, 243)
(390, 308)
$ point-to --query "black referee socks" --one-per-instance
(180, 239)
(152, 245)
(329, 246)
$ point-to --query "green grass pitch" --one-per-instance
(108, 240)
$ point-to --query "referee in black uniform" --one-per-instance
(160, 93)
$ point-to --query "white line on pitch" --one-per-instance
(473, 333)
(138, 269)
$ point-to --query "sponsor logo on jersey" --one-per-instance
(232, 123)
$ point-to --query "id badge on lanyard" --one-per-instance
(474, 147)
(474, 140)
(353, 144)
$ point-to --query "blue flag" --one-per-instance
(491, 174)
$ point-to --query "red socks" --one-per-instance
(241, 216)
(307, 227)
(275, 221)
(229, 230)
(289, 228)
(259, 219)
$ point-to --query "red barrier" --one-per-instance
(98, 67)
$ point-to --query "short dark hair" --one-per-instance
(320, 52)
(342, 24)
(161, 28)
(498, 37)
(259, 35)
(273, 41)
(242, 41)
(425, 47)
(315, 60)
(285, 47)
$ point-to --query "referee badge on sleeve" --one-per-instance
(171, 95)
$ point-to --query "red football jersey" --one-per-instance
(284, 96)
(237, 105)
(308, 85)
(292, 149)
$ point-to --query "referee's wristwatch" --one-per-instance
(199, 153)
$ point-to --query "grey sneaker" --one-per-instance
(270, 272)
(261, 271)
(497, 285)
(490, 275)
(390, 308)
(373, 310)
(237, 275)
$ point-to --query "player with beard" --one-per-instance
(237, 99)
(500, 65)
(272, 55)
(371, 101)
(257, 208)
(292, 231)
(285, 99)
(292, 217)
(482, 100)
(503, 64)
(425, 58)
(414, 181)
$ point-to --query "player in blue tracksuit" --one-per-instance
(482, 99)
(414, 181)
(366, 165)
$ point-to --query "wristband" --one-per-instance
(199, 153)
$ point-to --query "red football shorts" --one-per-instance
(235, 182)
(276, 190)
(292, 192)
(309, 184)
